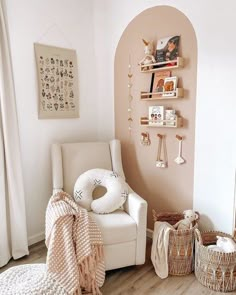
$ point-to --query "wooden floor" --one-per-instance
(138, 280)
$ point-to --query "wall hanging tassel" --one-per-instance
(180, 160)
(161, 163)
(130, 97)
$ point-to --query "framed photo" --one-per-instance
(167, 48)
(57, 74)
(156, 113)
(158, 80)
(170, 85)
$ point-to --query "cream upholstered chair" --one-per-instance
(123, 231)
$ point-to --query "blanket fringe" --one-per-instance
(87, 270)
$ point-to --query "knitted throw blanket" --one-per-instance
(75, 262)
(75, 247)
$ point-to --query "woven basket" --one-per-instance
(213, 269)
(181, 244)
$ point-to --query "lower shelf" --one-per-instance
(177, 123)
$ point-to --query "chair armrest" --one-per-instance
(136, 207)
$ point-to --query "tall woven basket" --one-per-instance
(213, 269)
(181, 245)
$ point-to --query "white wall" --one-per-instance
(64, 23)
(215, 113)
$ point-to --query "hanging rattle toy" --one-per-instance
(179, 160)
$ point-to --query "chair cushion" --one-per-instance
(113, 199)
(116, 227)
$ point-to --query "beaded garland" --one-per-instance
(130, 97)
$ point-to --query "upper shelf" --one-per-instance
(162, 66)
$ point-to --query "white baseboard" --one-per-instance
(36, 238)
(149, 233)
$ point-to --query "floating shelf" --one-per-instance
(162, 66)
(178, 93)
(144, 121)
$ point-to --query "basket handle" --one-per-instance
(198, 236)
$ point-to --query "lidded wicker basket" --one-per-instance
(181, 245)
(213, 269)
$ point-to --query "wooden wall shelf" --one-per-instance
(149, 96)
(163, 66)
(144, 121)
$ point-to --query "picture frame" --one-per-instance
(57, 74)
(170, 84)
(157, 82)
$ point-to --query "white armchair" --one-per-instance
(123, 231)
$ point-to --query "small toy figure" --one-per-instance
(148, 58)
(145, 138)
(187, 222)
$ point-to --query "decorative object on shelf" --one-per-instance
(170, 117)
(156, 115)
(161, 163)
(167, 48)
(158, 81)
(57, 82)
(170, 85)
(180, 160)
(130, 97)
(148, 58)
(145, 138)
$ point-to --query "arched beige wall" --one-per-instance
(164, 189)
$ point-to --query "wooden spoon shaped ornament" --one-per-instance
(180, 160)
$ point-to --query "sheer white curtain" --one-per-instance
(13, 235)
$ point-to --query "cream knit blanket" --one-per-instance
(159, 252)
(75, 263)
(75, 247)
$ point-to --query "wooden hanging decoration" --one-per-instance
(161, 162)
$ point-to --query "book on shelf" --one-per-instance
(157, 82)
(170, 117)
(156, 115)
(170, 85)
(167, 49)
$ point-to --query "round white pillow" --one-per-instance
(114, 198)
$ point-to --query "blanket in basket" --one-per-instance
(75, 261)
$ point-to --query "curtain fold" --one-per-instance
(13, 233)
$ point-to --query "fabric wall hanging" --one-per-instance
(57, 82)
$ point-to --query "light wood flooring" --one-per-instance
(138, 280)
